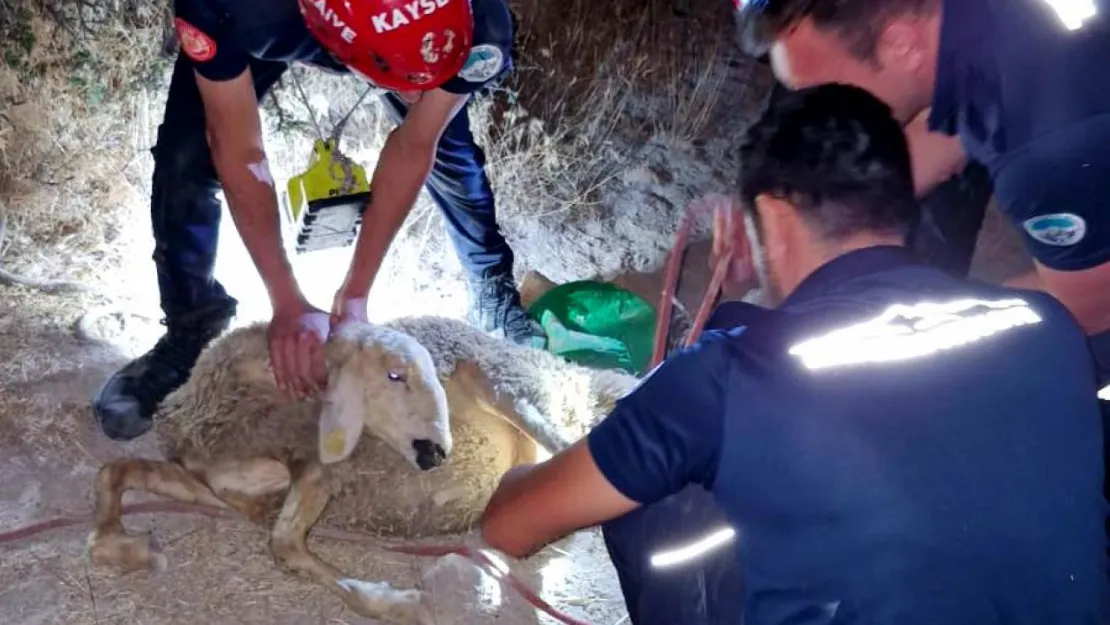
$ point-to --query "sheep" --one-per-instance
(449, 408)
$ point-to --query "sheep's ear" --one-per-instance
(341, 418)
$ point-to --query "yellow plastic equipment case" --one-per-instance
(325, 203)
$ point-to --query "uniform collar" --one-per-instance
(847, 267)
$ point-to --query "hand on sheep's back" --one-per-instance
(296, 334)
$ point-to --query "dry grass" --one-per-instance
(594, 80)
(72, 77)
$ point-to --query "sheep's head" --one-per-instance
(385, 381)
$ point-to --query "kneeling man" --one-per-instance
(889, 444)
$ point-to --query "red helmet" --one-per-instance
(403, 45)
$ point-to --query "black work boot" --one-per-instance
(126, 403)
(495, 308)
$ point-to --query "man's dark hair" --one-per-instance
(856, 22)
(836, 153)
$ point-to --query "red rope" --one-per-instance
(481, 560)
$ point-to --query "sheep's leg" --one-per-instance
(469, 381)
(243, 484)
(109, 543)
(303, 506)
(533, 423)
(215, 484)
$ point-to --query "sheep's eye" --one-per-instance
(395, 376)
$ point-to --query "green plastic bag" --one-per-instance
(598, 325)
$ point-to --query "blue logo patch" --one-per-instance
(483, 63)
(1057, 229)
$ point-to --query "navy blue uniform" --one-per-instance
(1031, 101)
(961, 487)
(229, 36)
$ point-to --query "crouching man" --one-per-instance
(431, 58)
(888, 445)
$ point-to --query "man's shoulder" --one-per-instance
(205, 15)
(493, 22)
(1051, 313)
(1010, 71)
(698, 370)
(712, 351)
(491, 50)
(906, 314)
(198, 26)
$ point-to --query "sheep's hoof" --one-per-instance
(127, 552)
(381, 601)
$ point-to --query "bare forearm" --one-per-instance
(402, 170)
(253, 204)
(499, 526)
(535, 505)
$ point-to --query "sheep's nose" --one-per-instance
(428, 454)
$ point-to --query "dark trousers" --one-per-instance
(704, 591)
(185, 212)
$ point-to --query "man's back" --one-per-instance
(955, 478)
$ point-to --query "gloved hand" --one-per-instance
(297, 333)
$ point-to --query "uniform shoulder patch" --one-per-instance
(194, 43)
(1057, 229)
(484, 62)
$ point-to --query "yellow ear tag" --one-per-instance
(334, 444)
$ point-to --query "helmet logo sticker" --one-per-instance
(1058, 229)
(413, 11)
(194, 43)
(345, 32)
(428, 49)
(483, 63)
